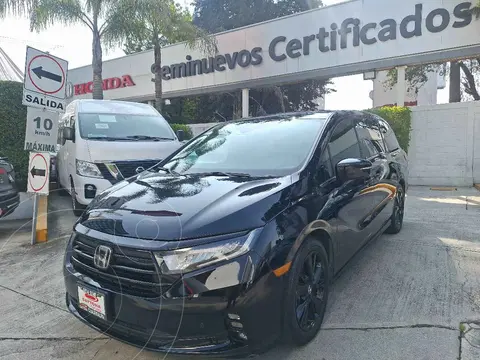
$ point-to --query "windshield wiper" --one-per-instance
(109, 138)
(222, 173)
(147, 137)
(171, 172)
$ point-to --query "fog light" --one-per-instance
(236, 324)
(242, 336)
(90, 191)
(233, 317)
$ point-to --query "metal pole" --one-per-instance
(245, 102)
(34, 220)
(401, 85)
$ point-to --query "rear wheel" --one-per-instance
(307, 293)
(76, 206)
(398, 211)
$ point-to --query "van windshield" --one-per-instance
(263, 147)
(124, 127)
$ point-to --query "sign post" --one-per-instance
(38, 184)
(44, 92)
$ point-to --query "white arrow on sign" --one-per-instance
(39, 173)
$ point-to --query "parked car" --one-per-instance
(103, 142)
(53, 164)
(234, 239)
(9, 197)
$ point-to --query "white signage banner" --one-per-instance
(337, 40)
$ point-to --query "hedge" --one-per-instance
(13, 121)
(186, 129)
(400, 119)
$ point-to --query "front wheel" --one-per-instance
(396, 221)
(307, 293)
(76, 206)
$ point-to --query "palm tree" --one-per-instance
(104, 18)
(158, 20)
(14, 7)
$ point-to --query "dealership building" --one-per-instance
(354, 37)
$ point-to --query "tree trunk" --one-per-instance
(157, 51)
(455, 91)
(97, 66)
(469, 83)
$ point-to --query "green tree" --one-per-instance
(104, 18)
(14, 7)
(160, 22)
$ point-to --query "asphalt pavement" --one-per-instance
(414, 295)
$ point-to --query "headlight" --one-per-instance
(88, 169)
(193, 258)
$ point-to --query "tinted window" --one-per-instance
(370, 137)
(343, 143)
(388, 135)
(325, 168)
(122, 126)
(256, 147)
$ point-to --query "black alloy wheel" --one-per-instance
(307, 292)
(398, 212)
(310, 292)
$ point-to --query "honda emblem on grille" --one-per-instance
(102, 256)
(139, 169)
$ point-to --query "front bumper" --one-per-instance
(81, 182)
(195, 324)
(8, 205)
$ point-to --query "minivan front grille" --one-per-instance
(128, 168)
(131, 271)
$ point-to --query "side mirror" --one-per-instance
(68, 133)
(353, 169)
(180, 135)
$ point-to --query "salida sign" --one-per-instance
(335, 38)
(107, 84)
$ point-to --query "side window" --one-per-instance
(325, 168)
(61, 125)
(370, 137)
(344, 143)
(388, 135)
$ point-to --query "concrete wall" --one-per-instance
(383, 95)
(445, 144)
(199, 128)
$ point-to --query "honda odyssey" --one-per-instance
(233, 240)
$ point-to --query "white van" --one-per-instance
(103, 142)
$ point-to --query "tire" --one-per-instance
(396, 220)
(303, 293)
(76, 206)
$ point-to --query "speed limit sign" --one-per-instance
(42, 130)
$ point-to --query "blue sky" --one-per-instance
(74, 44)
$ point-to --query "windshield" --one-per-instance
(124, 127)
(267, 147)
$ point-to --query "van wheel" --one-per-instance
(76, 206)
(307, 293)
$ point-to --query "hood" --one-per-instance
(130, 150)
(167, 207)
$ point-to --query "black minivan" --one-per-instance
(232, 241)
